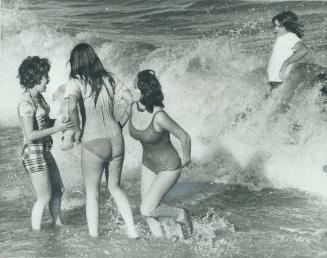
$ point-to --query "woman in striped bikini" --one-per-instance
(33, 114)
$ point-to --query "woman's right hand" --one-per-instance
(66, 126)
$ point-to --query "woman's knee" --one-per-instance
(44, 199)
(92, 196)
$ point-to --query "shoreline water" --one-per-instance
(229, 220)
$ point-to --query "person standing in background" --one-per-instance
(288, 48)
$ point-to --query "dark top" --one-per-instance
(159, 153)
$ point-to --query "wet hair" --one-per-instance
(290, 22)
(86, 66)
(150, 87)
(32, 70)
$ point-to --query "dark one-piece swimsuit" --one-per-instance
(159, 153)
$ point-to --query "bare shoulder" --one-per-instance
(162, 117)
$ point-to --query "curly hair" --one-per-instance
(32, 70)
(150, 87)
(290, 22)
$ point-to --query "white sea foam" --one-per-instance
(210, 88)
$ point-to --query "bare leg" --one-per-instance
(57, 191)
(150, 206)
(120, 198)
(92, 168)
(147, 180)
(42, 187)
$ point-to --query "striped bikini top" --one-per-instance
(39, 109)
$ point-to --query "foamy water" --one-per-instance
(209, 79)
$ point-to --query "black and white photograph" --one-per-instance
(163, 128)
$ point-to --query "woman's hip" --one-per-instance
(106, 148)
(37, 157)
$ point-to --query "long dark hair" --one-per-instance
(150, 88)
(290, 22)
(86, 65)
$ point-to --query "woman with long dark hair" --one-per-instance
(33, 114)
(288, 48)
(92, 88)
(161, 164)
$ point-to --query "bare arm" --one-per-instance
(125, 116)
(124, 94)
(127, 96)
(32, 135)
(300, 51)
(74, 116)
(122, 91)
(165, 122)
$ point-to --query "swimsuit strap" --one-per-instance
(154, 115)
(43, 99)
(151, 123)
(35, 103)
(131, 111)
(157, 113)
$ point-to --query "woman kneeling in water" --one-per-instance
(161, 164)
